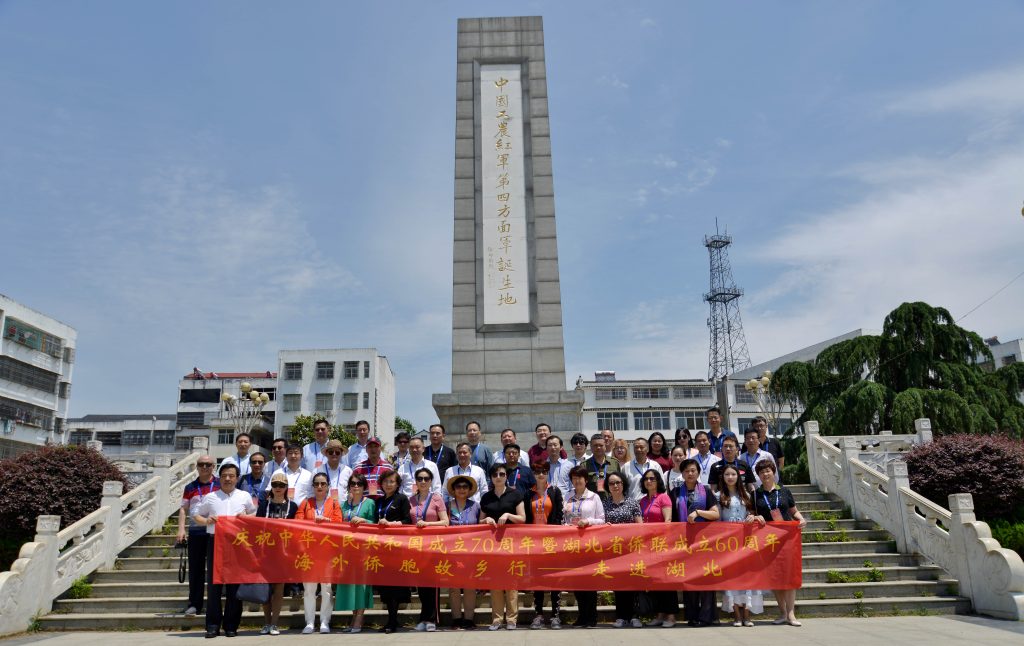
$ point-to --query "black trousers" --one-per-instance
(231, 615)
(665, 601)
(699, 606)
(391, 596)
(430, 600)
(586, 601)
(556, 602)
(625, 604)
(197, 569)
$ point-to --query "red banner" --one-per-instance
(657, 556)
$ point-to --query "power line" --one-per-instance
(1012, 280)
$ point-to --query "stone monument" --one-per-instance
(508, 358)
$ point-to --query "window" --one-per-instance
(28, 375)
(349, 401)
(79, 438)
(657, 420)
(742, 424)
(226, 436)
(693, 392)
(293, 370)
(52, 345)
(609, 393)
(69, 355)
(650, 393)
(325, 370)
(191, 419)
(163, 438)
(65, 390)
(613, 420)
(26, 413)
(199, 395)
(135, 438)
(366, 370)
(291, 403)
(183, 444)
(109, 438)
(366, 400)
(743, 396)
(691, 419)
(1009, 360)
(324, 401)
(58, 425)
(351, 369)
(271, 393)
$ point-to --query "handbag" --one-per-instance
(644, 605)
(182, 560)
(253, 592)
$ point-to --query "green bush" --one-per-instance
(80, 589)
(1009, 534)
(302, 431)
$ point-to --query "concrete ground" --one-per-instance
(934, 631)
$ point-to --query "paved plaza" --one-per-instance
(935, 631)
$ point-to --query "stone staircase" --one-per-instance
(850, 569)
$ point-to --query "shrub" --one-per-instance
(66, 481)
(302, 431)
(1009, 534)
(989, 467)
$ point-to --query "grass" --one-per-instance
(822, 595)
(858, 594)
(80, 589)
(838, 537)
(860, 610)
(824, 515)
(874, 575)
(34, 625)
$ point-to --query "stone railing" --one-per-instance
(992, 577)
(48, 566)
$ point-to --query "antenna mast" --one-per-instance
(728, 351)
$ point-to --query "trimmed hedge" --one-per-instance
(59, 480)
(989, 467)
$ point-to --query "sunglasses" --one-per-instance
(578, 443)
(258, 463)
(278, 485)
(461, 485)
(650, 479)
(333, 452)
(204, 464)
(615, 483)
(423, 478)
(355, 484)
(500, 474)
(319, 484)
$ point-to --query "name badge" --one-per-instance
(291, 492)
(600, 485)
(319, 463)
(776, 514)
(372, 487)
(334, 493)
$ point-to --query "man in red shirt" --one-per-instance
(539, 451)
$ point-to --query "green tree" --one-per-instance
(922, 365)
(302, 430)
(402, 424)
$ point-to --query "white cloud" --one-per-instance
(612, 80)
(664, 161)
(648, 22)
(993, 91)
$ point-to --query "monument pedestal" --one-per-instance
(519, 410)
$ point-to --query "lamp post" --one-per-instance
(246, 410)
(759, 389)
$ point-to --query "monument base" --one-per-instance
(519, 410)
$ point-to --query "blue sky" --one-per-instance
(202, 184)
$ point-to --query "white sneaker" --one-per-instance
(635, 623)
(325, 629)
(556, 623)
(431, 627)
(274, 630)
(510, 626)
(420, 627)
(494, 627)
(619, 623)
(538, 622)
(668, 623)
(265, 630)
(191, 611)
(308, 630)
(654, 623)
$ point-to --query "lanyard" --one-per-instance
(337, 478)
(384, 512)
(430, 454)
(541, 503)
(747, 460)
(458, 470)
(517, 477)
(604, 467)
(636, 466)
(650, 501)
(210, 490)
(320, 508)
(352, 509)
(575, 510)
(456, 512)
(704, 463)
(426, 505)
(765, 496)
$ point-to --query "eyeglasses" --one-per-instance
(578, 443)
(403, 441)
(355, 484)
(205, 465)
(257, 464)
(500, 474)
(278, 485)
(423, 478)
(319, 484)
(650, 479)
(615, 483)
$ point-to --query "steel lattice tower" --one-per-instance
(728, 352)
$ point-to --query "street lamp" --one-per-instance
(759, 389)
(246, 410)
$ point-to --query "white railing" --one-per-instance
(992, 577)
(47, 566)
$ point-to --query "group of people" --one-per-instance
(703, 478)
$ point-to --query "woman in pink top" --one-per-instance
(656, 507)
(427, 509)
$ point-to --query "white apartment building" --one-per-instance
(344, 384)
(201, 413)
(37, 353)
(636, 408)
(128, 438)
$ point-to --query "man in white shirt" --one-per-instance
(300, 481)
(226, 501)
(558, 469)
(705, 458)
(241, 459)
(465, 467)
(578, 443)
(636, 469)
(415, 463)
(357, 452)
(753, 453)
(508, 436)
(337, 473)
(279, 455)
(481, 455)
(313, 453)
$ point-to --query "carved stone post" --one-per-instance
(992, 576)
(898, 477)
(161, 470)
(94, 444)
(851, 450)
(810, 432)
(200, 444)
(46, 533)
(112, 490)
(923, 428)
(961, 505)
